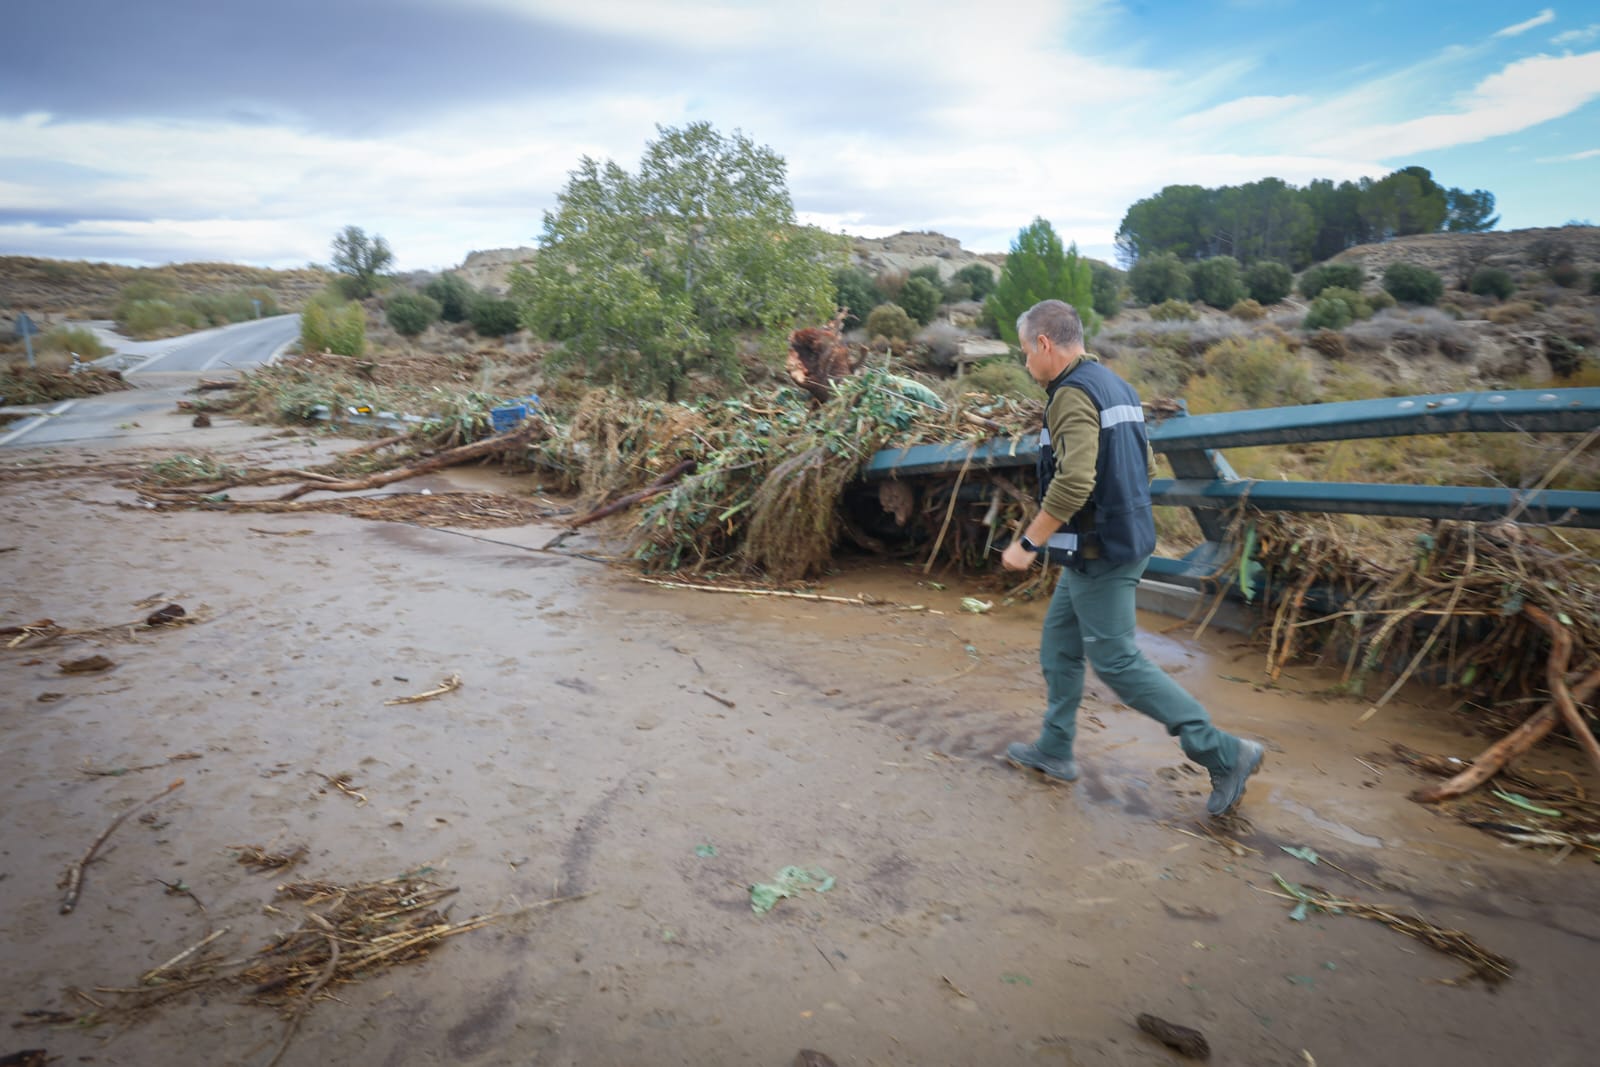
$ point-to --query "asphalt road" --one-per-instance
(160, 373)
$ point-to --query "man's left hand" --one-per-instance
(1017, 558)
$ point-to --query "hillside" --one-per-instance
(76, 289)
(1449, 253)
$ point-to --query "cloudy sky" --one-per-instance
(169, 130)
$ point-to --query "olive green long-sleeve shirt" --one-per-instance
(1074, 424)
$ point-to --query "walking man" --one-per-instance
(1095, 519)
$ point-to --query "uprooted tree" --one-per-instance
(656, 275)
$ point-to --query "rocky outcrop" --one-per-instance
(907, 251)
(490, 270)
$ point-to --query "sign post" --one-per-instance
(26, 328)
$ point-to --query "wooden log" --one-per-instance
(1510, 747)
(655, 488)
(1561, 638)
(465, 454)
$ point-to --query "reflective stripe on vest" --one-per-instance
(1116, 416)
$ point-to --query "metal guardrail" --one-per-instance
(1207, 485)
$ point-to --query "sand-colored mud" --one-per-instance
(979, 916)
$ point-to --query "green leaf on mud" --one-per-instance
(1307, 854)
(1016, 979)
(704, 851)
(789, 882)
(1525, 804)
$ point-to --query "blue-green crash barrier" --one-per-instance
(1208, 486)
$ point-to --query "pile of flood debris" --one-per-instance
(766, 487)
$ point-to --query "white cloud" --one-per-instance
(1543, 17)
(1523, 94)
(1246, 109)
(1592, 153)
(1572, 37)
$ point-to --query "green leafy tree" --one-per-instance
(921, 298)
(1105, 287)
(492, 316)
(1039, 268)
(658, 273)
(978, 275)
(1411, 284)
(409, 314)
(361, 260)
(453, 294)
(1157, 278)
(1268, 281)
(854, 292)
(1470, 212)
(1216, 281)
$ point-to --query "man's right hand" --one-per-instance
(1017, 558)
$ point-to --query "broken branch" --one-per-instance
(449, 458)
(72, 882)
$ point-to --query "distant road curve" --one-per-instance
(161, 373)
(238, 347)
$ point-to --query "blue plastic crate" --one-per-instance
(506, 418)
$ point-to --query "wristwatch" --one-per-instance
(1028, 544)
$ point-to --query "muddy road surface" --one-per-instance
(654, 752)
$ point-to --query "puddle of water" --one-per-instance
(1322, 822)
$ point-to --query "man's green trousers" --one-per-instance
(1092, 617)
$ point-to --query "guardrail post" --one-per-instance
(1203, 464)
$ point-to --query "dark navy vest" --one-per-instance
(1117, 517)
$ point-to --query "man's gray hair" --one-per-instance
(1054, 319)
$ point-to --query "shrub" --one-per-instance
(453, 295)
(1000, 377)
(1159, 278)
(1492, 281)
(979, 276)
(920, 298)
(928, 273)
(855, 294)
(410, 313)
(1411, 284)
(889, 283)
(146, 318)
(1564, 354)
(942, 343)
(1567, 275)
(1328, 313)
(1360, 307)
(1343, 275)
(1216, 281)
(1594, 284)
(1511, 311)
(1269, 282)
(1330, 343)
(329, 327)
(493, 317)
(1247, 310)
(891, 321)
(1262, 373)
(74, 340)
(1174, 311)
(1378, 299)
